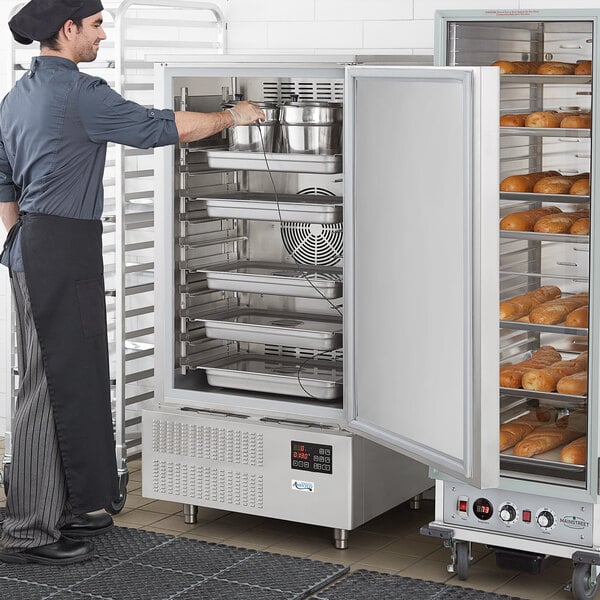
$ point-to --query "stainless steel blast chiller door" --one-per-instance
(421, 256)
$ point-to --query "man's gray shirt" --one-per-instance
(54, 127)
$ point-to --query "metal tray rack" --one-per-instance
(269, 207)
(275, 278)
(318, 380)
(273, 327)
(276, 161)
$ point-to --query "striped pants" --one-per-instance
(37, 502)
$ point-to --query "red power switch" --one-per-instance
(463, 504)
(526, 516)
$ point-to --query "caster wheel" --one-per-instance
(6, 478)
(117, 505)
(462, 550)
(585, 581)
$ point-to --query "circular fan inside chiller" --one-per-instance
(314, 243)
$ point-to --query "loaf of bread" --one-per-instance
(542, 119)
(546, 379)
(543, 439)
(555, 311)
(508, 67)
(558, 223)
(582, 121)
(573, 385)
(578, 318)
(556, 68)
(525, 220)
(558, 184)
(519, 306)
(581, 187)
(581, 227)
(511, 374)
(584, 67)
(513, 120)
(575, 453)
(514, 431)
(525, 182)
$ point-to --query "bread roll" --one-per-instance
(581, 227)
(519, 306)
(555, 311)
(581, 187)
(556, 68)
(584, 67)
(542, 119)
(578, 317)
(511, 374)
(574, 385)
(513, 120)
(558, 223)
(516, 67)
(583, 121)
(575, 453)
(513, 432)
(560, 184)
(526, 220)
(525, 182)
(543, 439)
(545, 380)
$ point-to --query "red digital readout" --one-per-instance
(301, 455)
(484, 510)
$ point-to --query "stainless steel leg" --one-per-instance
(415, 502)
(190, 514)
(340, 538)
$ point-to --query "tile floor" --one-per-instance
(390, 543)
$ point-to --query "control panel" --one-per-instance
(515, 513)
(312, 457)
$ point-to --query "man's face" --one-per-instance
(88, 38)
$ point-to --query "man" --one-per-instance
(54, 127)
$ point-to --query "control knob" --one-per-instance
(508, 513)
(545, 519)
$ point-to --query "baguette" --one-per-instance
(525, 182)
(578, 317)
(558, 223)
(542, 119)
(513, 120)
(511, 374)
(513, 432)
(556, 68)
(543, 439)
(584, 67)
(581, 187)
(519, 306)
(573, 385)
(546, 379)
(582, 121)
(575, 453)
(526, 220)
(555, 311)
(508, 67)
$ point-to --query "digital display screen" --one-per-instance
(483, 509)
(312, 457)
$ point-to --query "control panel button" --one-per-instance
(508, 513)
(526, 516)
(545, 519)
(463, 504)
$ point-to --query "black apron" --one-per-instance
(63, 266)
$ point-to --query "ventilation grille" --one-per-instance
(336, 355)
(314, 243)
(274, 91)
(231, 488)
(208, 443)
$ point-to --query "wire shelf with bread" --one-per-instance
(534, 236)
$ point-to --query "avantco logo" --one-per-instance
(303, 486)
(573, 522)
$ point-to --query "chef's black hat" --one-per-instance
(41, 19)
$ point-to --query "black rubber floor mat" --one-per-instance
(371, 585)
(132, 564)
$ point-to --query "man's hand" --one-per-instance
(246, 112)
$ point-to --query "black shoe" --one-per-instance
(87, 525)
(63, 552)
